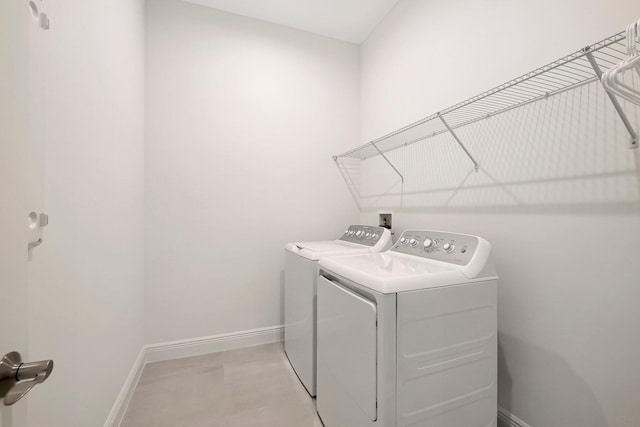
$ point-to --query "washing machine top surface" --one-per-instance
(357, 239)
(420, 259)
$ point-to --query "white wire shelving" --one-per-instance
(570, 72)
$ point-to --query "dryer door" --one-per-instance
(347, 340)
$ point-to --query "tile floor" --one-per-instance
(249, 387)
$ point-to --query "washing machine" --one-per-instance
(300, 279)
(408, 337)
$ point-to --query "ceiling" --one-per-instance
(348, 20)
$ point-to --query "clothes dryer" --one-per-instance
(300, 279)
(408, 337)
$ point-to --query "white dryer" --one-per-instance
(300, 279)
(408, 337)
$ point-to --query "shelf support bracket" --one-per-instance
(476, 168)
(633, 143)
(373, 144)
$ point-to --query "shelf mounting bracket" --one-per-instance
(373, 144)
(633, 142)
(476, 168)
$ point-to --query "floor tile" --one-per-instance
(253, 386)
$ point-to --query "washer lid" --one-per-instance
(356, 239)
(391, 272)
(315, 250)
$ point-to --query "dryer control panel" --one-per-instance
(363, 234)
(438, 245)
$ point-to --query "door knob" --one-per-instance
(17, 378)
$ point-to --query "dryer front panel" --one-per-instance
(446, 360)
(299, 317)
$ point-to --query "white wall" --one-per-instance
(242, 118)
(86, 293)
(563, 217)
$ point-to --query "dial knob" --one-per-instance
(374, 236)
(413, 242)
(351, 232)
(403, 241)
(358, 233)
(368, 235)
(448, 247)
(428, 243)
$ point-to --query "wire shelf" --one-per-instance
(565, 74)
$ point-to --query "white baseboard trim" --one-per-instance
(507, 419)
(212, 344)
(124, 397)
(186, 348)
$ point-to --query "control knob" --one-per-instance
(428, 243)
(448, 247)
(413, 242)
(403, 241)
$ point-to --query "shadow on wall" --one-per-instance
(564, 154)
(578, 404)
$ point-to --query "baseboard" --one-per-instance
(212, 344)
(124, 397)
(186, 348)
(507, 419)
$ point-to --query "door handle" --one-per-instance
(17, 378)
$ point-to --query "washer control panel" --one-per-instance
(438, 245)
(363, 234)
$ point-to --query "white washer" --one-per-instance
(408, 337)
(300, 278)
